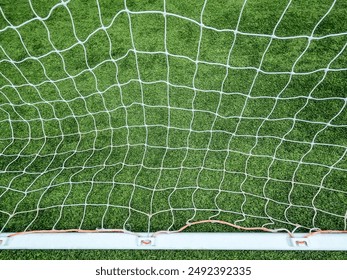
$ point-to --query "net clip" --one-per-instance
(300, 242)
(3, 241)
(146, 241)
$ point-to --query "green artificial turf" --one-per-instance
(169, 255)
(143, 122)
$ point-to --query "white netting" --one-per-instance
(147, 115)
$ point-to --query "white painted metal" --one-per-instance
(198, 241)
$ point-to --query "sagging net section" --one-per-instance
(150, 115)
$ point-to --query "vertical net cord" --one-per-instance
(143, 108)
(228, 62)
(126, 123)
(263, 121)
(192, 118)
(168, 124)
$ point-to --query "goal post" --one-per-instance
(176, 241)
(166, 124)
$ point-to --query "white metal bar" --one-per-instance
(174, 241)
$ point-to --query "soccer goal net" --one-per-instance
(161, 116)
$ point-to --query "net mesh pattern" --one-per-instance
(148, 115)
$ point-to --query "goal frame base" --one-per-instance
(175, 241)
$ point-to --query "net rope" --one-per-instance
(58, 173)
